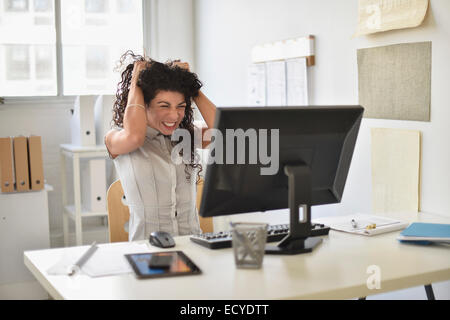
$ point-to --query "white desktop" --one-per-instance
(341, 267)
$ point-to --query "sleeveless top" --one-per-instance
(157, 191)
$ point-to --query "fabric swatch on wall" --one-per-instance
(396, 156)
(394, 82)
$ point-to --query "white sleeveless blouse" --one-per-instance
(158, 194)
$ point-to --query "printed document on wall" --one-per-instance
(297, 82)
(395, 170)
(276, 83)
(257, 85)
(382, 15)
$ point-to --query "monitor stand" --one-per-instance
(298, 240)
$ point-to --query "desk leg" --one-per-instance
(62, 163)
(429, 291)
(77, 199)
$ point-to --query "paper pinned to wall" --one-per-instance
(297, 82)
(257, 84)
(394, 82)
(396, 160)
(383, 15)
(276, 83)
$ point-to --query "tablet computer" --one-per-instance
(162, 264)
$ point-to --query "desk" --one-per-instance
(336, 269)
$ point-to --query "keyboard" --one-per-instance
(275, 233)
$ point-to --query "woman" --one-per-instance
(154, 100)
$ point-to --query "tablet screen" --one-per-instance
(177, 264)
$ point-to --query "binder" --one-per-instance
(82, 123)
(6, 165)
(93, 185)
(103, 114)
(98, 185)
(20, 147)
(35, 163)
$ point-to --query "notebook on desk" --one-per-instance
(426, 232)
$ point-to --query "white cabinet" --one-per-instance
(95, 200)
(24, 226)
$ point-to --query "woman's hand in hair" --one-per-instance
(137, 68)
(181, 64)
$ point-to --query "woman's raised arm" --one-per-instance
(206, 108)
(134, 121)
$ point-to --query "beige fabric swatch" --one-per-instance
(382, 15)
(394, 82)
(396, 160)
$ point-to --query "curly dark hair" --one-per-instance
(159, 77)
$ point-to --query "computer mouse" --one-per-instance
(161, 239)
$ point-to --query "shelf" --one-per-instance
(84, 213)
(77, 148)
(71, 150)
(77, 153)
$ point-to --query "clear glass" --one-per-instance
(27, 48)
(95, 33)
(249, 243)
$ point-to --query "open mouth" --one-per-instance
(169, 125)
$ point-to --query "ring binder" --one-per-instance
(36, 164)
(6, 165)
(21, 163)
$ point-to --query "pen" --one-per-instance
(82, 259)
(354, 225)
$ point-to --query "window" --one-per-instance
(96, 6)
(27, 48)
(93, 36)
(95, 33)
(17, 5)
(43, 5)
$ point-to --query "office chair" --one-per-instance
(206, 224)
(119, 214)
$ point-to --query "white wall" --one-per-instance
(173, 29)
(226, 30)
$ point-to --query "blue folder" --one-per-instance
(427, 230)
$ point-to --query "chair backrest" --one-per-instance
(206, 224)
(119, 213)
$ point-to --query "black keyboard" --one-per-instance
(275, 233)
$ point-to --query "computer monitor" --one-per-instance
(303, 158)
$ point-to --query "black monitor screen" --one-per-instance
(321, 137)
